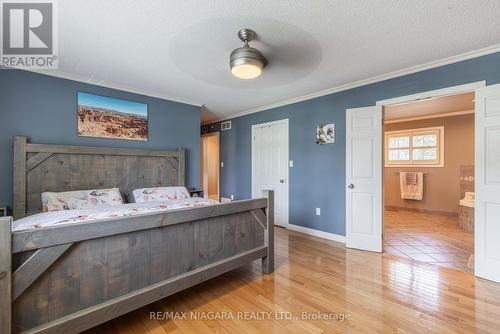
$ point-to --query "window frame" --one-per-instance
(439, 162)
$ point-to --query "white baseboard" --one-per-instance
(317, 233)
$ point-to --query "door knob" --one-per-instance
(351, 186)
(282, 180)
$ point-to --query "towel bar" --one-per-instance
(397, 173)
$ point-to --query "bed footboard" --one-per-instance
(5, 274)
(67, 279)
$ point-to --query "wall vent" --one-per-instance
(225, 125)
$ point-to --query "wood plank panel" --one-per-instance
(34, 267)
(33, 190)
(65, 172)
(5, 275)
(19, 181)
(244, 232)
(128, 260)
(215, 239)
(36, 159)
(201, 243)
(70, 149)
(94, 272)
(182, 248)
(64, 284)
(229, 236)
(182, 166)
(268, 261)
(36, 300)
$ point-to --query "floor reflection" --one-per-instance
(434, 239)
(380, 293)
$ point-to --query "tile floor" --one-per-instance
(428, 238)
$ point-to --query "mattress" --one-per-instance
(56, 218)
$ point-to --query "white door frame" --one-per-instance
(287, 179)
(466, 88)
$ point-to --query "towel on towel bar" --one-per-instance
(411, 178)
(412, 185)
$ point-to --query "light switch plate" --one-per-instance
(291, 163)
(222, 164)
(318, 211)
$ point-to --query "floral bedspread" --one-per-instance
(56, 218)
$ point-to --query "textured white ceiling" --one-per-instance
(433, 106)
(180, 49)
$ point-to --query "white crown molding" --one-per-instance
(391, 75)
(336, 89)
(316, 233)
(418, 118)
(79, 78)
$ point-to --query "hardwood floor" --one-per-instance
(380, 293)
(429, 238)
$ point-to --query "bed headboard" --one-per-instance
(42, 167)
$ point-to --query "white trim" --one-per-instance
(91, 81)
(409, 70)
(391, 75)
(410, 133)
(317, 233)
(432, 94)
(287, 170)
(476, 136)
(418, 118)
(261, 125)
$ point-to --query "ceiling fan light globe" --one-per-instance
(247, 63)
(246, 71)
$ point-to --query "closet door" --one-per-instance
(270, 165)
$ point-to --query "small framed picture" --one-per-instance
(325, 134)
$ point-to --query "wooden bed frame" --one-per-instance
(69, 278)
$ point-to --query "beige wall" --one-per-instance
(441, 184)
(209, 165)
(213, 165)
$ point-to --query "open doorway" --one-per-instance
(209, 165)
(365, 170)
(429, 180)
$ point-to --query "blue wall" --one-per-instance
(318, 176)
(43, 108)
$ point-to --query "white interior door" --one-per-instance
(487, 205)
(270, 165)
(364, 178)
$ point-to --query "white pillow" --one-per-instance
(80, 199)
(159, 194)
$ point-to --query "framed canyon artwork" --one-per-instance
(108, 117)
